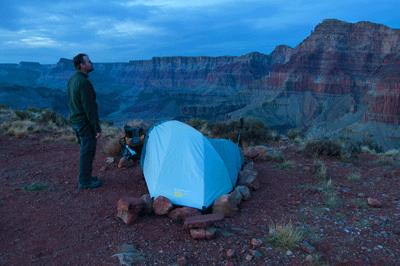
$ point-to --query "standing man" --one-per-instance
(84, 119)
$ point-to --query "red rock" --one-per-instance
(230, 253)
(226, 205)
(237, 196)
(256, 242)
(127, 216)
(180, 215)
(250, 152)
(125, 163)
(307, 247)
(244, 191)
(249, 166)
(250, 180)
(182, 261)
(374, 202)
(162, 205)
(133, 205)
(203, 233)
(202, 221)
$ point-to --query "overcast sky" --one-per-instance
(119, 30)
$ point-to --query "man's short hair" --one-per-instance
(78, 60)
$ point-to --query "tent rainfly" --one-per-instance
(186, 167)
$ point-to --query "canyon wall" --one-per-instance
(343, 73)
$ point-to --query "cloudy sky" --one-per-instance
(123, 30)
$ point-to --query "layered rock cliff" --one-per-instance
(341, 77)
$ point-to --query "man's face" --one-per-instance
(87, 66)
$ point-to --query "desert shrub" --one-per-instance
(31, 109)
(20, 129)
(319, 169)
(355, 177)
(330, 198)
(284, 235)
(340, 147)
(139, 123)
(369, 145)
(109, 130)
(51, 116)
(323, 147)
(385, 161)
(64, 138)
(113, 147)
(254, 132)
(23, 114)
(330, 195)
(359, 203)
(204, 126)
(285, 165)
(294, 133)
(392, 153)
(68, 138)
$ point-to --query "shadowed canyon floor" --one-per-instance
(46, 220)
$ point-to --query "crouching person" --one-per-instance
(84, 119)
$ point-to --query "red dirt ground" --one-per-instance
(63, 225)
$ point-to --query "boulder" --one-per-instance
(129, 209)
(127, 217)
(162, 205)
(244, 191)
(237, 196)
(226, 205)
(133, 205)
(250, 152)
(249, 179)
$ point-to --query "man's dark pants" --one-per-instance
(88, 142)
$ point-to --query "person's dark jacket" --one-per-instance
(82, 101)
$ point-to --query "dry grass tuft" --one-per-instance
(355, 177)
(113, 147)
(284, 235)
(319, 170)
(285, 165)
(330, 195)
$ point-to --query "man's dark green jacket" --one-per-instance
(82, 101)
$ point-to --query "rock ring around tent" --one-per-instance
(183, 165)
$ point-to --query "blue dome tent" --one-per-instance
(186, 167)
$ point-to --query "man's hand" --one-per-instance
(98, 135)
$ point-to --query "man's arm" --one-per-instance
(88, 97)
